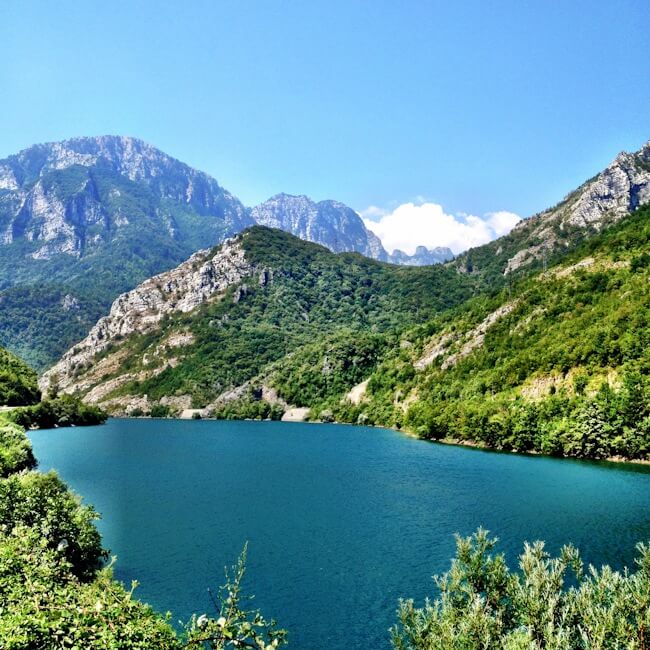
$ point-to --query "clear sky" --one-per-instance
(477, 106)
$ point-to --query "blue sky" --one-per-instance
(476, 106)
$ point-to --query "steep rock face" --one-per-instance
(618, 190)
(94, 217)
(622, 187)
(204, 276)
(337, 227)
(56, 196)
(329, 223)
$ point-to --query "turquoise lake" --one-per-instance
(341, 521)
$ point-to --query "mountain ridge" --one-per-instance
(86, 219)
(599, 202)
(264, 287)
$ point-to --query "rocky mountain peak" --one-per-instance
(337, 227)
(620, 188)
(72, 197)
(329, 223)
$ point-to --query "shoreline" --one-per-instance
(454, 442)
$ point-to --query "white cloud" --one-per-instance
(502, 222)
(427, 224)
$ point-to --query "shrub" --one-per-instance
(44, 503)
(15, 450)
(483, 605)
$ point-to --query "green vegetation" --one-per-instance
(554, 362)
(55, 593)
(42, 502)
(307, 295)
(63, 411)
(19, 389)
(41, 322)
(565, 371)
(18, 382)
(249, 408)
(115, 254)
(552, 603)
(15, 450)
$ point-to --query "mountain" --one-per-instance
(78, 196)
(597, 204)
(338, 227)
(329, 223)
(549, 355)
(198, 334)
(422, 256)
(86, 219)
(558, 362)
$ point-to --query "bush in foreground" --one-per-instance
(42, 502)
(15, 449)
(483, 605)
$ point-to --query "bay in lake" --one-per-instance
(341, 521)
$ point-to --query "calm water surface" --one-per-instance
(341, 521)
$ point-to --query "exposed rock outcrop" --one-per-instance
(56, 194)
(205, 276)
(337, 227)
(611, 195)
(329, 223)
(441, 345)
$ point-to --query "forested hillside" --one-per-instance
(18, 382)
(558, 362)
(266, 294)
(555, 362)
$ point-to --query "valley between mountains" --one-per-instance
(535, 342)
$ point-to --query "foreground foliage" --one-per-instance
(552, 603)
(15, 449)
(56, 594)
(234, 626)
